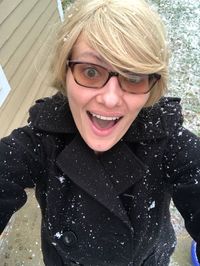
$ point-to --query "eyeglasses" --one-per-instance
(94, 76)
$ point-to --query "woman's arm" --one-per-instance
(20, 167)
(183, 172)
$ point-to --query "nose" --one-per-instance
(111, 94)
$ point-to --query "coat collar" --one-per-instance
(156, 122)
(53, 114)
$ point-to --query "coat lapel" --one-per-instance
(124, 168)
(103, 178)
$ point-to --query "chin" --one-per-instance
(99, 148)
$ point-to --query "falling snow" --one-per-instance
(58, 235)
(153, 205)
(61, 179)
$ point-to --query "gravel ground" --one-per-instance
(182, 256)
(182, 20)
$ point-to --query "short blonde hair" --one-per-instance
(128, 34)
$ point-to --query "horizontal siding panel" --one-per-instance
(13, 21)
(25, 87)
(35, 55)
(39, 89)
(33, 59)
(21, 33)
(7, 7)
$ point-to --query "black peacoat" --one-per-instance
(106, 210)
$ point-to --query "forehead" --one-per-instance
(82, 50)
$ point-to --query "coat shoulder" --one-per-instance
(170, 111)
(52, 115)
(158, 121)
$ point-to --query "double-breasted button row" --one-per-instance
(69, 238)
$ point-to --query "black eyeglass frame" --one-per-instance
(72, 63)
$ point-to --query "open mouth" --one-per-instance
(103, 122)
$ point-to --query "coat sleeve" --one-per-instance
(183, 172)
(20, 157)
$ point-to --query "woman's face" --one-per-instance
(103, 115)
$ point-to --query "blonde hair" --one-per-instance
(128, 34)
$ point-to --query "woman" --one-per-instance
(108, 152)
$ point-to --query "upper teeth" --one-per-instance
(106, 117)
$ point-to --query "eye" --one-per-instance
(91, 72)
(135, 79)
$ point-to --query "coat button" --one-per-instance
(69, 238)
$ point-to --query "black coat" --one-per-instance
(111, 209)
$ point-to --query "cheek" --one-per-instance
(77, 98)
(137, 102)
